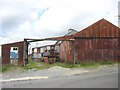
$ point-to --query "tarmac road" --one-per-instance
(103, 78)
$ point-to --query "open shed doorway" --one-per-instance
(44, 50)
(14, 55)
(48, 51)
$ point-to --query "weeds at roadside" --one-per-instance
(8, 67)
(41, 65)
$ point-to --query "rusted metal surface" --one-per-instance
(6, 52)
(118, 50)
(66, 51)
(98, 42)
(102, 28)
(38, 50)
(62, 38)
(91, 50)
(105, 47)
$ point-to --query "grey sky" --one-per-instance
(48, 18)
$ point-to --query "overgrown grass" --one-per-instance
(85, 65)
(95, 64)
(33, 64)
(41, 65)
(0, 68)
(107, 63)
(65, 65)
(6, 68)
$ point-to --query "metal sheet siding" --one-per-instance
(91, 50)
(94, 49)
(6, 52)
(38, 50)
(102, 28)
(66, 51)
(88, 50)
(118, 53)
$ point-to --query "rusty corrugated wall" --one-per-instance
(98, 42)
(66, 51)
(92, 50)
(6, 52)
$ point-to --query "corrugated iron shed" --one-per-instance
(67, 51)
(98, 42)
(6, 52)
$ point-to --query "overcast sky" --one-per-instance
(21, 19)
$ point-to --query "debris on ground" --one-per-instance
(58, 68)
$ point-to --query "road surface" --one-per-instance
(103, 78)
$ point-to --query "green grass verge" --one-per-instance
(40, 65)
(85, 65)
(6, 68)
(65, 65)
(33, 64)
(95, 64)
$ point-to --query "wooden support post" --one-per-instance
(25, 53)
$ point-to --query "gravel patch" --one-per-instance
(57, 71)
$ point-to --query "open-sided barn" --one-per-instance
(98, 42)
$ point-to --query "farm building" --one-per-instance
(12, 53)
(15, 53)
(52, 52)
(96, 43)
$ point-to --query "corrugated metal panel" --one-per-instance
(6, 52)
(38, 50)
(102, 28)
(66, 51)
(97, 50)
(118, 53)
